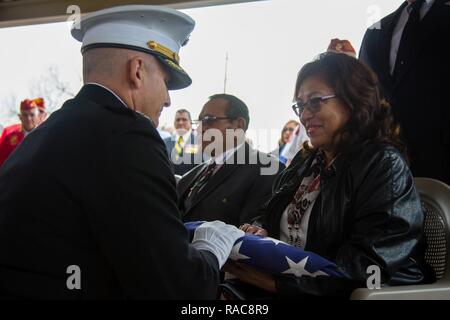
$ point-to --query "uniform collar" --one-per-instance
(105, 96)
(106, 88)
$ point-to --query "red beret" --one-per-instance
(341, 46)
(40, 103)
(27, 104)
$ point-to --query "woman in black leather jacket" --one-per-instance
(350, 199)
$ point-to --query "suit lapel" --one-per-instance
(186, 183)
(191, 148)
(191, 139)
(386, 36)
(426, 28)
(384, 42)
(218, 178)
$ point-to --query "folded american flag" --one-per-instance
(274, 256)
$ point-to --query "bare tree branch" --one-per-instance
(50, 86)
(9, 104)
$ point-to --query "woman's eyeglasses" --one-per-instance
(312, 104)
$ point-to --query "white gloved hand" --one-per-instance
(218, 238)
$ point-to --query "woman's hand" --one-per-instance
(248, 228)
(251, 275)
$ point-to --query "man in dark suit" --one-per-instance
(108, 225)
(182, 146)
(237, 180)
(408, 51)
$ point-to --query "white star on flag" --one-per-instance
(235, 255)
(277, 257)
(272, 240)
(298, 269)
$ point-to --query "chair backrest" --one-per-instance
(435, 197)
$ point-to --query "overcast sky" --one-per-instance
(267, 43)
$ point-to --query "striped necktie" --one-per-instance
(202, 180)
(178, 146)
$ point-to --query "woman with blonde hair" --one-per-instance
(286, 135)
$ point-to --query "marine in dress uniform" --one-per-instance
(111, 227)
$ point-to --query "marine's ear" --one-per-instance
(136, 71)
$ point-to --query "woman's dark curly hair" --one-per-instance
(356, 86)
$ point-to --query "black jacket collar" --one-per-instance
(101, 96)
(216, 180)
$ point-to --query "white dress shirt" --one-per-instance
(222, 158)
(185, 136)
(398, 30)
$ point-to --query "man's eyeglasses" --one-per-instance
(312, 104)
(211, 119)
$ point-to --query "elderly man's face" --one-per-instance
(182, 122)
(29, 119)
(214, 127)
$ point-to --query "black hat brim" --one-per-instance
(179, 79)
